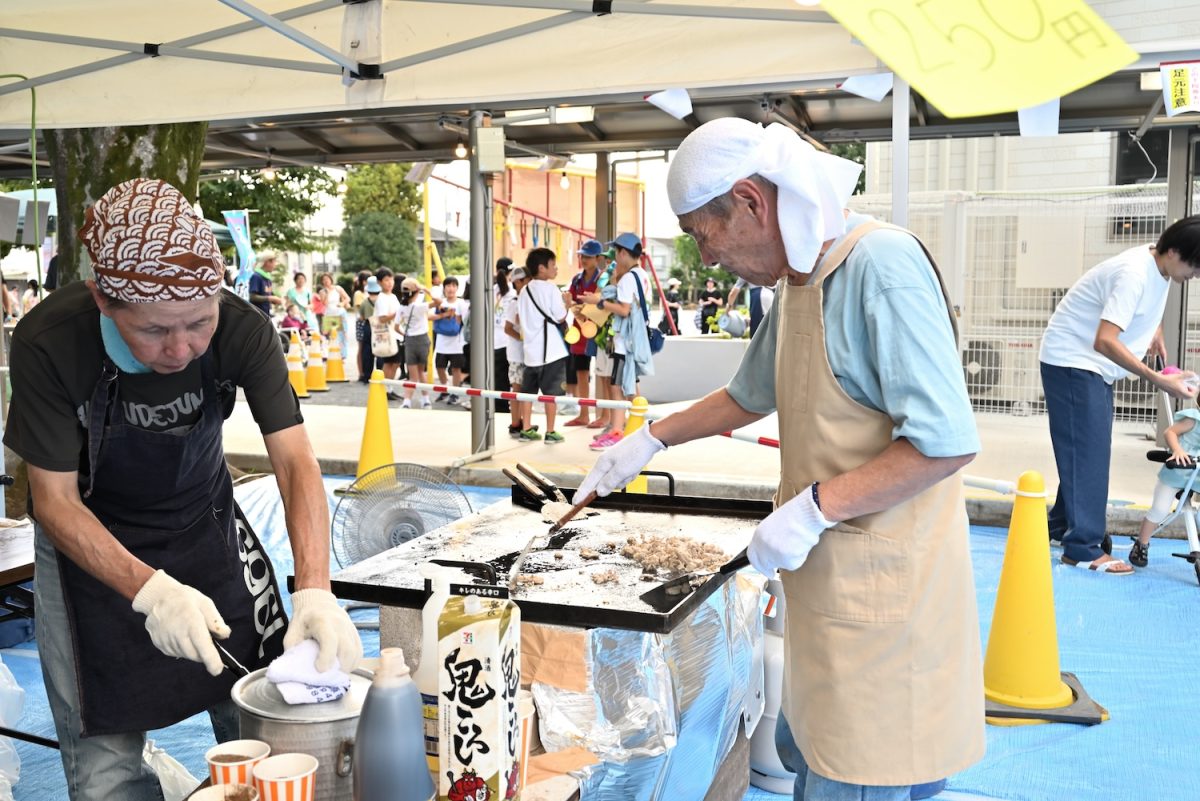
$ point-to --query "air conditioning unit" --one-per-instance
(1002, 374)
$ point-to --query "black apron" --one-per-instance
(168, 499)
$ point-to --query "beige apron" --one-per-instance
(884, 684)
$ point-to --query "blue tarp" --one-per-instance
(1133, 642)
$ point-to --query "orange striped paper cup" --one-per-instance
(225, 792)
(286, 777)
(233, 762)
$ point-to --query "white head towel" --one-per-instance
(813, 186)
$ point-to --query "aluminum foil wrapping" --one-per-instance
(662, 712)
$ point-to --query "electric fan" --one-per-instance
(391, 505)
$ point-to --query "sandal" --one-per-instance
(1139, 555)
(1114, 566)
(597, 424)
(578, 421)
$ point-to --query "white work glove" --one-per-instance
(621, 463)
(181, 620)
(316, 615)
(782, 541)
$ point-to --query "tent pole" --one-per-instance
(900, 101)
(482, 410)
(297, 36)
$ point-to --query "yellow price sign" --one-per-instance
(975, 57)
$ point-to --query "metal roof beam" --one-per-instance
(275, 157)
(593, 131)
(153, 50)
(661, 9)
(480, 41)
(303, 39)
(314, 139)
(400, 135)
(200, 38)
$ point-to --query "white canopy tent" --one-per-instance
(226, 60)
(129, 62)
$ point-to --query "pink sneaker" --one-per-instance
(606, 441)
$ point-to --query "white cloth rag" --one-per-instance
(813, 186)
(294, 673)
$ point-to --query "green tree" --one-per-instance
(457, 258)
(87, 162)
(379, 239)
(280, 206)
(691, 271)
(381, 187)
(856, 152)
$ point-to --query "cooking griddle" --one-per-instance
(568, 595)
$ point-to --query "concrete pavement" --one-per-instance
(441, 438)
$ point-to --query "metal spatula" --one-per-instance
(669, 595)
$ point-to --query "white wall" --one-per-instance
(998, 163)
(1140, 21)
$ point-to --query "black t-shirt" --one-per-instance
(57, 355)
(706, 300)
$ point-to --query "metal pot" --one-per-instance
(325, 731)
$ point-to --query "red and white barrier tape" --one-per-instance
(528, 397)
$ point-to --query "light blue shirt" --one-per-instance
(889, 343)
(1190, 442)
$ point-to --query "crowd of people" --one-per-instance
(586, 336)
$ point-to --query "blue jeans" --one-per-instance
(811, 786)
(1080, 406)
(108, 766)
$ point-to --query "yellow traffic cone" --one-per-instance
(316, 366)
(335, 369)
(377, 432)
(1021, 678)
(296, 368)
(635, 418)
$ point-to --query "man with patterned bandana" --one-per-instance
(120, 388)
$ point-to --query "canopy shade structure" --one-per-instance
(132, 62)
(274, 86)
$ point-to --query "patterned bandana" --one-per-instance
(147, 245)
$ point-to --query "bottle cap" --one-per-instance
(392, 664)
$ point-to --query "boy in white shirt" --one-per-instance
(520, 410)
(447, 347)
(542, 313)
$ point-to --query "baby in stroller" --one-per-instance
(1183, 438)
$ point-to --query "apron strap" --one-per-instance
(838, 256)
(102, 398)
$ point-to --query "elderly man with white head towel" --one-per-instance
(883, 688)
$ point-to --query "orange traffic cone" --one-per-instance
(1022, 683)
(376, 448)
(335, 369)
(316, 366)
(296, 368)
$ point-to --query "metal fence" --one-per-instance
(1009, 257)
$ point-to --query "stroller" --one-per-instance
(1188, 505)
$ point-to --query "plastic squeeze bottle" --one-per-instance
(389, 751)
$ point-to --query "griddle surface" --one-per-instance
(568, 595)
